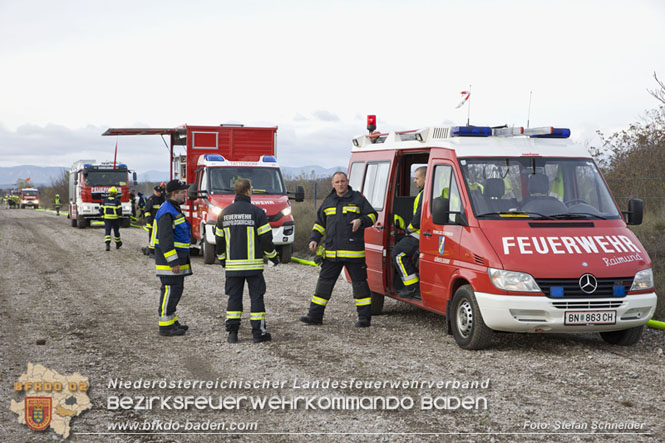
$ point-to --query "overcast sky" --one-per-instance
(71, 69)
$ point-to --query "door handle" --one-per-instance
(427, 234)
(378, 226)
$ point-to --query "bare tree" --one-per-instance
(658, 94)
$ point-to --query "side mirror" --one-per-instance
(192, 194)
(440, 211)
(635, 212)
(134, 177)
(299, 194)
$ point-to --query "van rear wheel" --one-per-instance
(285, 252)
(467, 323)
(625, 337)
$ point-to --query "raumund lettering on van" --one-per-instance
(591, 244)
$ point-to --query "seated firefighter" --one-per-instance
(406, 248)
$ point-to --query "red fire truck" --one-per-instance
(30, 197)
(214, 157)
(519, 232)
(89, 184)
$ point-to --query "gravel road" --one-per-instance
(96, 313)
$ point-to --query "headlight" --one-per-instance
(286, 211)
(215, 209)
(513, 281)
(643, 280)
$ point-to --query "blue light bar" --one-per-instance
(87, 165)
(269, 159)
(471, 131)
(214, 158)
(122, 165)
(556, 133)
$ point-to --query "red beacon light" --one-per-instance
(371, 123)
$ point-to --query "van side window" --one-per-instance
(356, 175)
(376, 179)
(444, 185)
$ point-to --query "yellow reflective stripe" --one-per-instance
(345, 254)
(219, 232)
(168, 268)
(363, 301)
(181, 245)
(227, 233)
(406, 279)
(153, 237)
(221, 256)
(271, 254)
(245, 267)
(233, 314)
(179, 219)
(255, 260)
(318, 227)
(166, 296)
(257, 315)
(319, 300)
(372, 217)
(346, 209)
(263, 229)
(147, 214)
(170, 253)
(167, 322)
(250, 242)
(415, 202)
(330, 211)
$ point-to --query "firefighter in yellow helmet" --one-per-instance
(57, 204)
(111, 211)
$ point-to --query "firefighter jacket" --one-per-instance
(152, 206)
(414, 226)
(171, 234)
(57, 202)
(243, 236)
(111, 208)
(333, 220)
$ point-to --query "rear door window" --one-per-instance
(374, 187)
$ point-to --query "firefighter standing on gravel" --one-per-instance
(342, 218)
(57, 204)
(243, 235)
(111, 211)
(151, 208)
(171, 235)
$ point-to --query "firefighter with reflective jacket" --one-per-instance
(151, 208)
(243, 236)
(171, 235)
(57, 204)
(406, 248)
(111, 211)
(342, 218)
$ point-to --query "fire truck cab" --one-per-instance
(519, 233)
(30, 197)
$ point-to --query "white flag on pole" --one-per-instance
(465, 98)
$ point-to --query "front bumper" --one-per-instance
(542, 314)
(281, 235)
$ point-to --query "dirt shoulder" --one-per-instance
(97, 314)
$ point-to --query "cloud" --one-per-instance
(325, 116)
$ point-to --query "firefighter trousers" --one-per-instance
(403, 253)
(330, 271)
(149, 225)
(257, 316)
(169, 296)
(115, 225)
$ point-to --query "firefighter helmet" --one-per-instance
(113, 190)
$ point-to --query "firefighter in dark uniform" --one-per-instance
(111, 211)
(151, 208)
(342, 218)
(243, 236)
(171, 234)
(58, 204)
(406, 248)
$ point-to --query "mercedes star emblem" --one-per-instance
(588, 283)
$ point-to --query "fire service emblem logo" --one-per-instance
(38, 412)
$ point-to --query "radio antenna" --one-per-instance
(528, 117)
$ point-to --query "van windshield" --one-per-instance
(537, 187)
(264, 180)
(30, 193)
(105, 177)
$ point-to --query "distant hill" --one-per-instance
(39, 175)
(43, 175)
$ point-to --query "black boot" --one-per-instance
(108, 246)
(233, 337)
(411, 291)
(171, 332)
(180, 325)
(311, 321)
(263, 337)
(363, 323)
(117, 245)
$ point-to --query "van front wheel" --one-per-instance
(625, 337)
(469, 329)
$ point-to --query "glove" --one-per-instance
(223, 263)
(275, 260)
